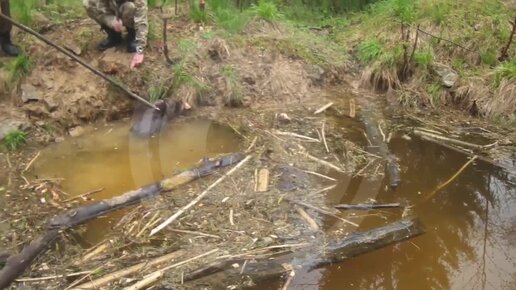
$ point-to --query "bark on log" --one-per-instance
(16, 264)
(335, 252)
(377, 138)
(84, 213)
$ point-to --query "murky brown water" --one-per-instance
(112, 159)
(471, 225)
(470, 241)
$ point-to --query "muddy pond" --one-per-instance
(470, 240)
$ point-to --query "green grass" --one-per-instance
(14, 140)
(234, 97)
(370, 50)
(19, 67)
(505, 71)
(424, 57)
(157, 93)
(197, 15)
(266, 10)
(22, 10)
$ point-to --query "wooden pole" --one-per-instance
(78, 60)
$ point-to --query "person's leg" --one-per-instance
(97, 11)
(5, 31)
(127, 12)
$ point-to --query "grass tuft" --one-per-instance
(266, 10)
(370, 50)
(14, 140)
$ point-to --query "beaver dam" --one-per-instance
(333, 195)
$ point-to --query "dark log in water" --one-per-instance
(377, 139)
(313, 258)
(91, 211)
(16, 264)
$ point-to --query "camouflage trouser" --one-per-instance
(106, 16)
(5, 26)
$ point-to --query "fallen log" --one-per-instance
(88, 212)
(16, 264)
(379, 146)
(336, 251)
(364, 206)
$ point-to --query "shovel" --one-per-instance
(80, 61)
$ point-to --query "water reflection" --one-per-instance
(470, 236)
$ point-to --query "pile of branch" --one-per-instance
(17, 264)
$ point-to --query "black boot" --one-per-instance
(113, 38)
(7, 46)
(131, 40)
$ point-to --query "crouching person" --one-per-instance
(113, 16)
(5, 31)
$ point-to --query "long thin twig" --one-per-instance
(198, 198)
(320, 175)
(323, 108)
(165, 44)
(32, 162)
(52, 277)
(323, 135)
(83, 195)
(444, 184)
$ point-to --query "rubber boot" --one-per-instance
(131, 40)
(113, 39)
(7, 46)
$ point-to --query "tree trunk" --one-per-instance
(335, 252)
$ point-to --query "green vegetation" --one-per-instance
(266, 10)
(369, 50)
(19, 67)
(505, 71)
(14, 140)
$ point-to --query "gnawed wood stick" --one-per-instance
(320, 175)
(99, 249)
(198, 198)
(325, 163)
(451, 140)
(323, 135)
(153, 277)
(290, 134)
(308, 219)
(102, 281)
(262, 182)
(323, 108)
(365, 206)
(322, 211)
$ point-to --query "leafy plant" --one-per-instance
(267, 10)
(15, 139)
(369, 50)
